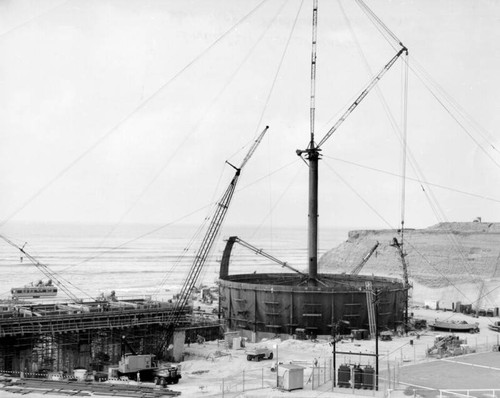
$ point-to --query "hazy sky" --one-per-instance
(125, 111)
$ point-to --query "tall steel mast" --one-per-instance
(312, 153)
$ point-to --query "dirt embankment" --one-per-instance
(449, 262)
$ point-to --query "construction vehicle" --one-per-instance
(259, 353)
(450, 345)
(144, 367)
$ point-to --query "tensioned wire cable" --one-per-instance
(434, 204)
(420, 181)
(386, 222)
(126, 118)
(432, 201)
(414, 248)
(179, 219)
(34, 18)
(422, 75)
(277, 73)
(121, 122)
(197, 125)
(274, 81)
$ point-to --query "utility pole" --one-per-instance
(375, 301)
(334, 354)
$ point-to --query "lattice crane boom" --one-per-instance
(363, 94)
(266, 255)
(357, 269)
(207, 243)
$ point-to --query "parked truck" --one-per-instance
(259, 353)
(167, 374)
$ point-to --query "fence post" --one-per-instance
(243, 381)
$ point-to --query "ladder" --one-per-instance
(371, 308)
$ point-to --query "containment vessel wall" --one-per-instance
(281, 303)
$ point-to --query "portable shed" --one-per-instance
(290, 377)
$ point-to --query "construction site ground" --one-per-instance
(213, 369)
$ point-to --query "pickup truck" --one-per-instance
(259, 353)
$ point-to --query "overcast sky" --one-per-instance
(126, 111)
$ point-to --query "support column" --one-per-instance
(313, 157)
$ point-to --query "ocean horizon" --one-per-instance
(141, 260)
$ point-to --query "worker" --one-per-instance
(138, 377)
(188, 341)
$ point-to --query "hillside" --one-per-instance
(449, 262)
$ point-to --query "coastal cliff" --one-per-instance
(447, 262)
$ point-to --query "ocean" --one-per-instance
(140, 261)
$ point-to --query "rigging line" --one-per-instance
(461, 125)
(196, 125)
(270, 191)
(274, 81)
(360, 197)
(396, 129)
(129, 115)
(159, 228)
(33, 18)
(414, 179)
(458, 108)
(254, 182)
(369, 70)
(280, 64)
(278, 201)
(401, 133)
(381, 31)
(203, 227)
(195, 237)
(267, 175)
(439, 213)
(154, 230)
(365, 91)
(444, 276)
(46, 270)
(363, 5)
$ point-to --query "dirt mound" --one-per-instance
(453, 261)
